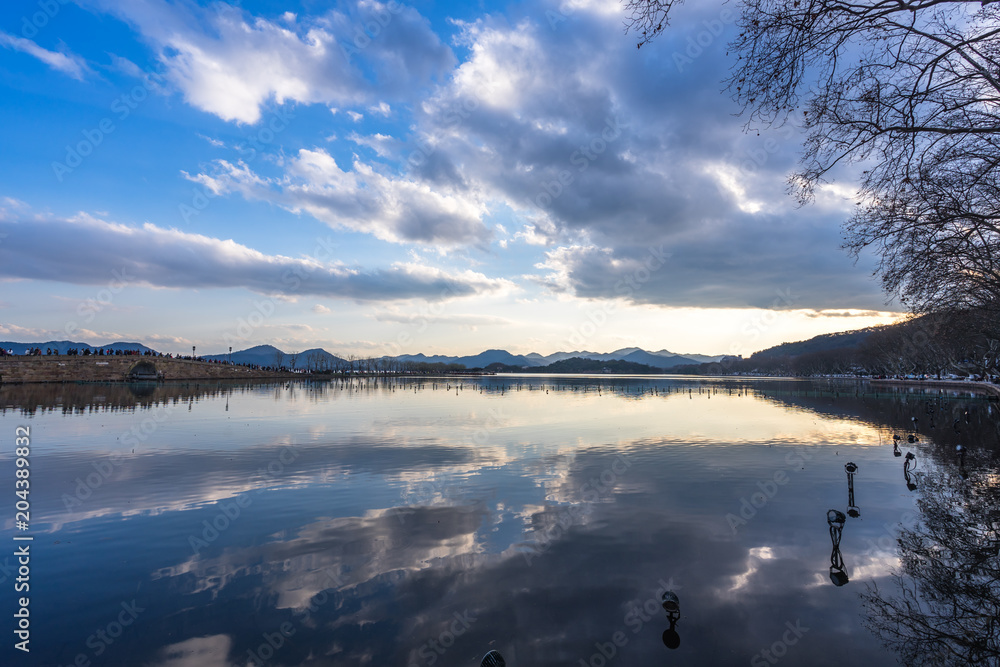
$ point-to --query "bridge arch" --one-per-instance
(144, 370)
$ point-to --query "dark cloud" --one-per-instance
(51, 249)
(403, 49)
(619, 150)
(591, 142)
(732, 265)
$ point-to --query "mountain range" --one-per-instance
(268, 355)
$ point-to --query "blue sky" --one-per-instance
(384, 178)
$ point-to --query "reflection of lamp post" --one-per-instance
(909, 461)
(672, 605)
(852, 510)
(838, 572)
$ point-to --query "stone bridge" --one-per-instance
(65, 368)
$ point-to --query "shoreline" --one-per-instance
(124, 369)
(985, 387)
(118, 369)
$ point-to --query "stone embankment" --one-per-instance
(987, 388)
(121, 369)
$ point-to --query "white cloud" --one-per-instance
(230, 63)
(382, 144)
(394, 209)
(320, 309)
(67, 63)
(211, 141)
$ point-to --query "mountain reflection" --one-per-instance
(944, 605)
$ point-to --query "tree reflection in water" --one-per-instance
(946, 609)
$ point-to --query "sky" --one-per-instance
(384, 178)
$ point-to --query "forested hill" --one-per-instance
(580, 365)
(822, 343)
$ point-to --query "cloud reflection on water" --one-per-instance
(368, 570)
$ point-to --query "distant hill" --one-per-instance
(660, 359)
(836, 353)
(320, 359)
(700, 358)
(491, 357)
(821, 343)
(317, 358)
(268, 355)
(580, 365)
(559, 356)
(475, 361)
(63, 345)
(655, 360)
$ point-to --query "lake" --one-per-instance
(414, 522)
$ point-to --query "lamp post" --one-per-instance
(192, 353)
(230, 355)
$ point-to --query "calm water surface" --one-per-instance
(424, 522)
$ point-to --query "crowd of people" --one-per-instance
(85, 352)
(103, 352)
(109, 352)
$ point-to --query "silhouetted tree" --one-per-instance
(910, 90)
(946, 607)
